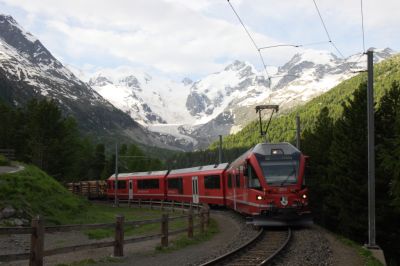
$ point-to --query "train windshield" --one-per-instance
(280, 172)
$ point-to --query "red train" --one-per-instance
(266, 183)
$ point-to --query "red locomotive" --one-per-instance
(265, 183)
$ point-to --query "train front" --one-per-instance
(284, 196)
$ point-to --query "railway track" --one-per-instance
(260, 250)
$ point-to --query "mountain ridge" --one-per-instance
(28, 70)
(223, 102)
(283, 125)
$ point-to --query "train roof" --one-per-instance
(268, 148)
(203, 168)
(141, 174)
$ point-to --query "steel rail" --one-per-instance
(270, 258)
(225, 258)
(235, 251)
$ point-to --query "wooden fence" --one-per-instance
(38, 230)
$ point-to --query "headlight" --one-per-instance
(259, 197)
(304, 196)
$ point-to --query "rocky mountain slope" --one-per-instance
(223, 102)
(28, 70)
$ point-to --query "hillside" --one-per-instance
(31, 192)
(282, 127)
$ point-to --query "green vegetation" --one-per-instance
(3, 160)
(366, 254)
(41, 135)
(86, 262)
(198, 237)
(105, 214)
(79, 263)
(33, 192)
(337, 175)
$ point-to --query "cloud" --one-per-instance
(181, 37)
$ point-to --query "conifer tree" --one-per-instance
(347, 198)
(99, 161)
(51, 139)
(388, 171)
(388, 140)
(317, 144)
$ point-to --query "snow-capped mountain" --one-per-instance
(147, 99)
(305, 76)
(28, 70)
(223, 102)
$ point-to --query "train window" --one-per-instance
(176, 183)
(253, 181)
(148, 184)
(229, 180)
(212, 182)
(121, 184)
(280, 172)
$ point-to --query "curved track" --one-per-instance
(260, 250)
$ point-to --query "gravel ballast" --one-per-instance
(316, 246)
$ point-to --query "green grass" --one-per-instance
(184, 241)
(369, 260)
(86, 262)
(79, 263)
(107, 214)
(33, 192)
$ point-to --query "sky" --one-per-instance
(193, 38)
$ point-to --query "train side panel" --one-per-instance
(197, 184)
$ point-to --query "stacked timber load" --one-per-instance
(95, 189)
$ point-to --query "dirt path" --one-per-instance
(11, 169)
(342, 255)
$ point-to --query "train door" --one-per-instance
(130, 189)
(195, 189)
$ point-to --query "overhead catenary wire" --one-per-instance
(293, 45)
(279, 45)
(362, 25)
(251, 38)
(330, 41)
(326, 30)
(329, 37)
(315, 43)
